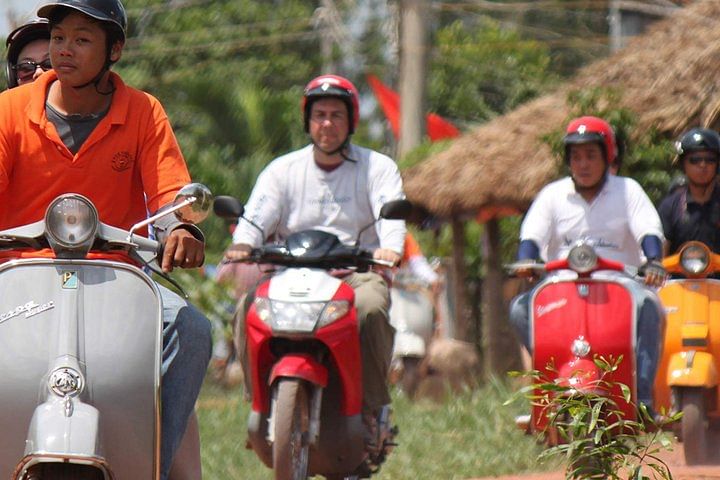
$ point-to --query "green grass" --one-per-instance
(471, 435)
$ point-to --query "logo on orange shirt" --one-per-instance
(121, 161)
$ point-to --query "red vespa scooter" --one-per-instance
(585, 307)
(303, 349)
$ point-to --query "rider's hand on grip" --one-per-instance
(182, 249)
(527, 269)
(654, 273)
(238, 252)
(387, 255)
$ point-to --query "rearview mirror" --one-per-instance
(228, 207)
(396, 210)
(200, 202)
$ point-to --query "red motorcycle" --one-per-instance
(304, 356)
(585, 308)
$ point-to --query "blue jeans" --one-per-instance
(648, 341)
(187, 345)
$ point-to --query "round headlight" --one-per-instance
(71, 220)
(582, 258)
(694, 259)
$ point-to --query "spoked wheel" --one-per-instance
(694, 425)
(291, 449)
(63, 471)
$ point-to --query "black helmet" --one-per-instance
(110, 11)
(36, 29)
(698, 139)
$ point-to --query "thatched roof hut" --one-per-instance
(669, 77)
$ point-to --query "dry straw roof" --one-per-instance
(670, 77)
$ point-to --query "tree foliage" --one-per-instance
(482, 69)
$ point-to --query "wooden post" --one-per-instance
(414, 17)
(462, 313)
(500, 349)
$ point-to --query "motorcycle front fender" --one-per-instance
(298, 365)
(692, 369)
(408, 345)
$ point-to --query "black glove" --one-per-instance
(654, 273)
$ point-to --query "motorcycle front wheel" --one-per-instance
(291, 449)
(694, 425)
(63, 471)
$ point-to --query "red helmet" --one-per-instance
(331, 86)
(591, 130)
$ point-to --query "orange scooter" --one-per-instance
(687, 378)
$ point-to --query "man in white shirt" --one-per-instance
(613, 214)
(334, 186)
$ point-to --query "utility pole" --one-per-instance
(414, 19)
(332, 32)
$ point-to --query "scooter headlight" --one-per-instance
(694, 259)
(582, 258)
(71, 222)
(299, 317)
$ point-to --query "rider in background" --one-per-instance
(692, 211)
(611, 213)
(83, 130)
(27, 52)
(415, 262)
(338, 187)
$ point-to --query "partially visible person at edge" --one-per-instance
(692, 211)
(339, 187)
(610, 212)
(27, 52)
(415, 262)
(79, 128)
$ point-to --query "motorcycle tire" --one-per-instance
(291, 449)
(694, 426)
(63, 471)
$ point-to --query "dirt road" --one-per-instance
(674, 460)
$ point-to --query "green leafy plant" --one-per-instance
(590, 430)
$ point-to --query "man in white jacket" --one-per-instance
(334, 186)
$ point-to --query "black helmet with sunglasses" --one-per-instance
(697, 140)
(36, 29)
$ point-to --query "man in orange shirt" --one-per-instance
(79, 128)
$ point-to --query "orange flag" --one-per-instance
(437, 127)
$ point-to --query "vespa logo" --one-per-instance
(69, 280)
(543, 309)
(30, 309)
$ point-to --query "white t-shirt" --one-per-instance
(614, 223)
(293, 194)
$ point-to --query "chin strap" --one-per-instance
(96, 79)
(341, 150)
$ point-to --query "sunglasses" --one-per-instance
(697, 160)
(27, 68)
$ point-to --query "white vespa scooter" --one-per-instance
(81, 344)
(412, 313)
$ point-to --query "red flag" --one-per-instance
(437, 127)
